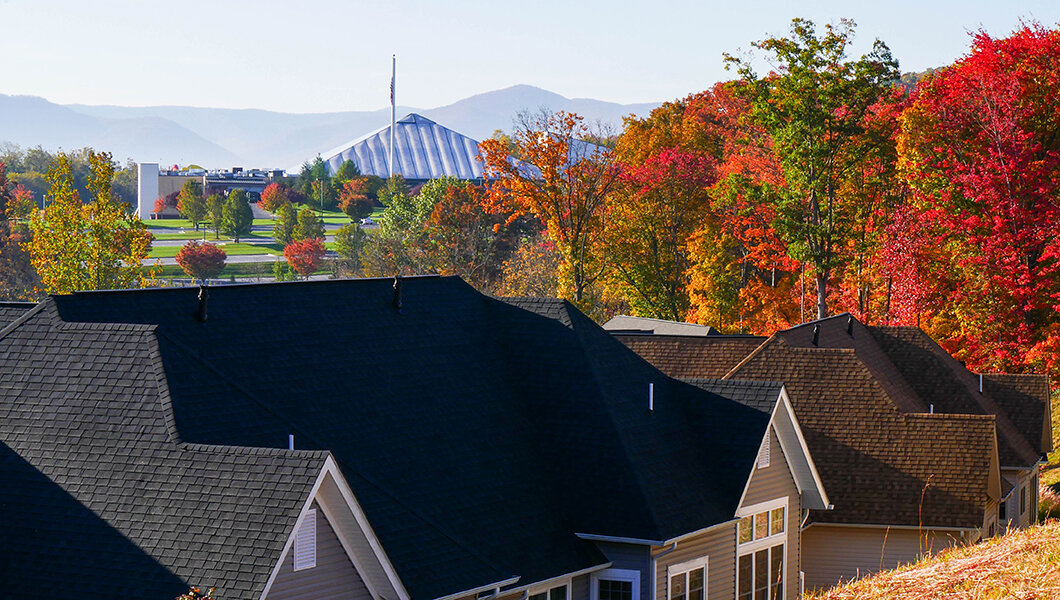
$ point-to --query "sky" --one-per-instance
(335, 55)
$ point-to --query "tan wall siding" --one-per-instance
(719, 545)
(833, 554)
(334, 577)
(579, 589)
(1021, 480)
(770, 483)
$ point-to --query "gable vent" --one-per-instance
(305, 542)
(763, 452)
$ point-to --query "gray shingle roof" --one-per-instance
(99, 495)
(477, 435)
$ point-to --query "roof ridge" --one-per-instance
(253, 450)
(13, 325)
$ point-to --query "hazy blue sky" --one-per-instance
(325, 55)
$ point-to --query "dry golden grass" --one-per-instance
(1023, 565)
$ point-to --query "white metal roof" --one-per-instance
(423, 149)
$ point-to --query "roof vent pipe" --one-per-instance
(651, 396)
(850, 325)
(396, 302)
(931, 409)
(980, 383)
(204, 294)
(816, 333)
(290, 441)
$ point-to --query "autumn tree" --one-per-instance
(564, 182)
(200, 260)
(283, 226)
(191, 203)
(813, 107)
(272, 197)
(531, 269)
(237, 218)
(90, 246)
(650, 220)
(468, 237)
(308, 227)
(18, 279)
(980, 146)
(353, 199)
(305, 256)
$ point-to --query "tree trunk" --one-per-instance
(822, 294)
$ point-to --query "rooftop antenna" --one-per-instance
(816, 333)
(396, 302)
(850, 325)
(393, 109)
(204, 295)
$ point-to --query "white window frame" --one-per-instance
(631, 575)
(685, 567)
(547, 589)
(769, 541)
(309, 562)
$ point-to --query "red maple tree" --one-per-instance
(305, 256)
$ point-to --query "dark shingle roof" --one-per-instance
(759, 395)
(686, 357)
(1025, 399)
(10, 311)
(100, 496)
(879, 465)
(477, 435)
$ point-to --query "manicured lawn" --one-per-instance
(231, 249)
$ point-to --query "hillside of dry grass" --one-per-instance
(1023, 565)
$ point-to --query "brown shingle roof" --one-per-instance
(691, 357)
(942, 380)
(1025, 399)
(880, 466)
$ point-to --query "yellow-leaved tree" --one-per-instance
(93, 246)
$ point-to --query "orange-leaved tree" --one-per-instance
(305, 256)
(562, 180)
(201, 260)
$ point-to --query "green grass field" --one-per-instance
(231, 249)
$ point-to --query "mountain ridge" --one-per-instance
(251, 137)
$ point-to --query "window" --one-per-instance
(615, 584)
(558, 592)
(760, 547)
(1002, 510)
(305, 542)
(688, 580)
(763, 452)
(1023, 500)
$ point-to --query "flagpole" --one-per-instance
(393, 111)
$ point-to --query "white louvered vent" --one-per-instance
(763, 453)
(305, 542)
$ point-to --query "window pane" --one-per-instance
(695, 584)
(761, 525)
(776, 572)
(743, 577)
(677, 587)
(776, 521)
(616, 590)
(761, 574)
(745, 530)
(558, 593)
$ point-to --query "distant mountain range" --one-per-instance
(221, 138)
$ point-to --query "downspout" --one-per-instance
(655, 568)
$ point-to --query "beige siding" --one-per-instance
(831, 554)
(719, 545)
(770, 483)
(1021, 480)
(334, 577)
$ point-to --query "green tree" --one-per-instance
(215, 205)
(350, 242)
(346, 172)
(91, 246)
(190, 202)
(309, 226)
(18, 279)
(125, 184)
(283, 227)
(315, 183)
(236, 216)
(814, 107)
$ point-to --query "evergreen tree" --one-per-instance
(286, 219)
(309, 226)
